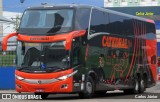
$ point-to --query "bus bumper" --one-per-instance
(64, 86)
(56, 82)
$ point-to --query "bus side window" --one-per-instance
(76, 56)
(99, 20)
(83, 19)
(119, 25)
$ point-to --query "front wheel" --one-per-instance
(88, 88)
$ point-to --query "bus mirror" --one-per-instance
(5, 40)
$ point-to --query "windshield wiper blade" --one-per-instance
(21, 68)
(54, 68)
(26, 67)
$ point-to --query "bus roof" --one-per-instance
(77, 6)
(61, 6)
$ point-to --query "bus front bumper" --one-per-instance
(62, 86)
(57, 82)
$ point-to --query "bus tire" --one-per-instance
(43, 95)
(136, 86)
(141, 85)
(88, 88)
(135, 89)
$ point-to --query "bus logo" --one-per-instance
(39, 82)
(115, 42)
(39, 38)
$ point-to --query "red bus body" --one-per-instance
(117, 51)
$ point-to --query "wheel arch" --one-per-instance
(93, 75)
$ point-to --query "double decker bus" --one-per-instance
(83, 49)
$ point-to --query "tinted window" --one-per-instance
(99, 20)
(150, 28)
(76, 51)
(83, 19)
(119, 25)
(46, 21)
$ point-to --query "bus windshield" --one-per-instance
(42, 56)
(46, 22)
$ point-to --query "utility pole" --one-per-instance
(17, 22)
(1, 14)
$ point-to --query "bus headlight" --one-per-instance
(63, 77)
(18, 77)
(67, 76)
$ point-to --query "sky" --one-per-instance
(16, 6)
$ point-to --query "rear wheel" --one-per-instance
(136, 86)
(141, 85)
(135, 89)
(88, 88)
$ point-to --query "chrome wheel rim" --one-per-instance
(142, 84)
(136, 86)
(89, 87)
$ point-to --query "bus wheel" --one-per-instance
(135, 89)
(43, 95)
(88, 88)
(136, 86)
(141, 85)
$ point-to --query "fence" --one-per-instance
(8, 57)
(7, 66)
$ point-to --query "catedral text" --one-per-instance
(114, 42)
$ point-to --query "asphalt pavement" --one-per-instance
(110, 96)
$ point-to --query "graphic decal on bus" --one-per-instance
(115, 42)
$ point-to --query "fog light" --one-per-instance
(64, 86)
(19, 86)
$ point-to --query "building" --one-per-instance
(9, 22)
(128, 3)
(11, 27)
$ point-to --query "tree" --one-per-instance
(16, 22)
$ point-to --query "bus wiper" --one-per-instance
(54, 68)
(24, 67)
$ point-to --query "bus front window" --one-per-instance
(42, 56)
(46, 22)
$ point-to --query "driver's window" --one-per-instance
(76, 56)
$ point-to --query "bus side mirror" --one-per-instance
(5, 40)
